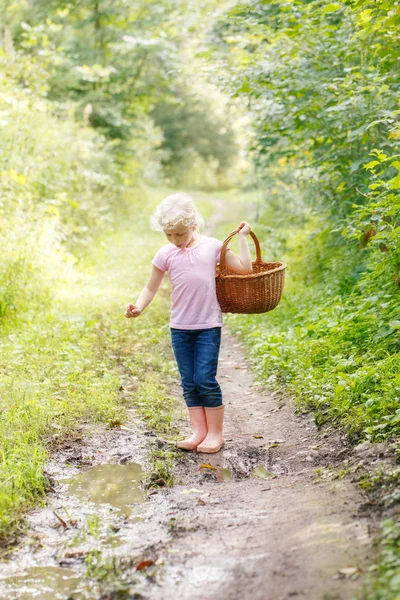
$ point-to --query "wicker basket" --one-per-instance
(258, 292)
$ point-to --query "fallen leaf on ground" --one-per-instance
(258, 437)
(40, 536)
(144, 564)
(200, 501)
(224, 475)
(207, 466)
(262, 472)
(77, 554)
(349, 572)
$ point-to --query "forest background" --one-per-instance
(291, 107)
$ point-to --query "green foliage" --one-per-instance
(386, 582)
(335, 356)
(321, 83)
(122, 66)
(51, 380)
(55, 183)
(60, 366)
(322, 97)
(322, 87)
(153, 405)
(160, 473)
(194, 129)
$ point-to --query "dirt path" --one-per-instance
(270, 539)
(219, 533)
(252, 523)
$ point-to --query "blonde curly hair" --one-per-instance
(175, 210)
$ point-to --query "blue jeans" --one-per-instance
(196, 352)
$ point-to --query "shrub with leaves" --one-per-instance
(321, 83)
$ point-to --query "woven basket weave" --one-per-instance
(257, 292)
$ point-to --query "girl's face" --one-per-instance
(180, 235)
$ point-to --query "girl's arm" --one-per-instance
(242, 263)
(147, 294)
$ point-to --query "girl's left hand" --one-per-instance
(132, 311)
(244, 228)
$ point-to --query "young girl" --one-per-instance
(190, 260)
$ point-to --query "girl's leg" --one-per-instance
(205, 370)
(183, 343)
(197, 417)
(214, 440)
(206, 352)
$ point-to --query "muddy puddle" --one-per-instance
(45, 583)
(70, 553)
(116, 485)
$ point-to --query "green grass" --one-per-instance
(384, 578)
(61, 362)
(160, 473)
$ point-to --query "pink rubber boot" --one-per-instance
(214, 440)
(198, 421)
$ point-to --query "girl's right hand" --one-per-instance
(132, 311)
(244, 228)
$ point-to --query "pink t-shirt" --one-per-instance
(192, 275)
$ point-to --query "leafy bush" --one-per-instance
(55, 183)
(322, 84)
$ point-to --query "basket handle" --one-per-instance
(222, 264)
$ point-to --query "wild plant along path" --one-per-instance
(252, 522)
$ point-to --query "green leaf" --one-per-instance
(394, 184)
(382, 333)
(262, 473)
(372, 164)
(366, 15)
(332, 7)
(379, 154)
